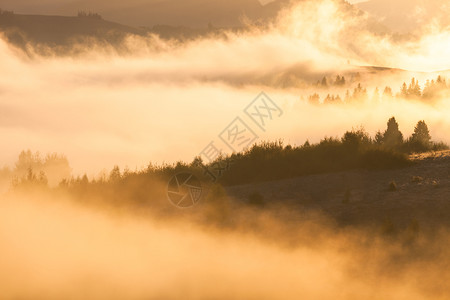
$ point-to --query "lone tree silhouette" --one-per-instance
(392, 137)
(421, 138)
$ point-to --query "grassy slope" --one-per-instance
(363, 197)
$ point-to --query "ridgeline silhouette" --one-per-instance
(265, 161)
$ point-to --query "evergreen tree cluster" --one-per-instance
(420, 140)
(432, 89)
(33, 168)
(6, 13)
(338, 81)
(262, 162)
(273, 160)
(83, 14)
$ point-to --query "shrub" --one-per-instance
(439, 146)
(416, 179)
(217, 205)
(83, 14)
(383, 159)
(388, 228)
(347, 196)
(393, 186)
(6, 13)
(216, 192)
(392, 137)
(256, 199)
(412, 231)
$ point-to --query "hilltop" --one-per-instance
(55, 30)
(189, 13)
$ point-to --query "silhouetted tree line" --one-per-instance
(6, 13)
(32, 168)
(432, 89)
(273, 160)
(83, 14)
(265, 161)
(359, 94)
(339, 80)
(420, 140)
(356, 149)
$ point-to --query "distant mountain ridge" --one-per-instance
(60, 30)
(190, 13)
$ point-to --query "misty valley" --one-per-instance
(211, 149)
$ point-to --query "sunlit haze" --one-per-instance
(332, 116)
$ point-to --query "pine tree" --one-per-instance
(404, 91)
(387, 93)
(115, 175)
(414, 88)
(314, 99)
(421, 134)
(379, 138)
(360, 93)
(376, 95)
(348, 97)
(392, 137)
(338, 80)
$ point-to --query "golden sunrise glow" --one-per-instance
(95, 107)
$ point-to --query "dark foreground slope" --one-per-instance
(395, 199)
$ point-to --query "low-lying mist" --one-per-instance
(155, 100)
(52, 248)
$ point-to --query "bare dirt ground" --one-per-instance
(420, 192)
